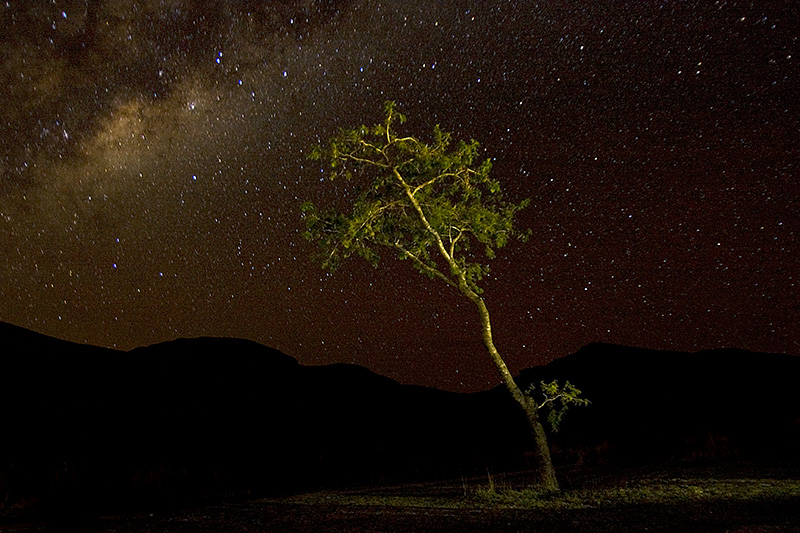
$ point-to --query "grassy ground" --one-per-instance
(655, 499)
(719, 498)
(674, 491)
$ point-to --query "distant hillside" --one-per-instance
(203, 417)
(209, 417)
(649, 403)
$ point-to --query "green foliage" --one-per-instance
(433, 203)
(556, 400)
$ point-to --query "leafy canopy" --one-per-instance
(433, 203)
(556, 400)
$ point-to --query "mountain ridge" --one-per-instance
(207, 416)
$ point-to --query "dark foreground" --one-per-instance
(632, 500)
(280, 517)
(261, 516)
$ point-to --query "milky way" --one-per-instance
(154, 160)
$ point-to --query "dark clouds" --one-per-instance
(153, 164)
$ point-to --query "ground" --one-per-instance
(670, 498)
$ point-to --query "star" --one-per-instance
(154, 164)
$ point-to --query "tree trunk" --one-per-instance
(544, 464)
(547, 474)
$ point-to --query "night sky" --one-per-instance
(153, 160)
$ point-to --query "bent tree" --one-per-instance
(435, 206)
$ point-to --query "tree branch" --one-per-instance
(426, 267)
(550, 400)
(425, 222)
(363, 160)
(454, 241)
(437, 178)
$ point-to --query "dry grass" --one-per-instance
(641, 490)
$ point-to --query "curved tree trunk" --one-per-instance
(546, 472)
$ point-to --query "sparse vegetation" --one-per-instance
(672, 491)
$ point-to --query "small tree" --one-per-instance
(436, 207)
(556, 400)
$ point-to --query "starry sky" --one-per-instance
(153, 160)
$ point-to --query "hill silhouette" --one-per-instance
(209, 417)
(648, 403)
